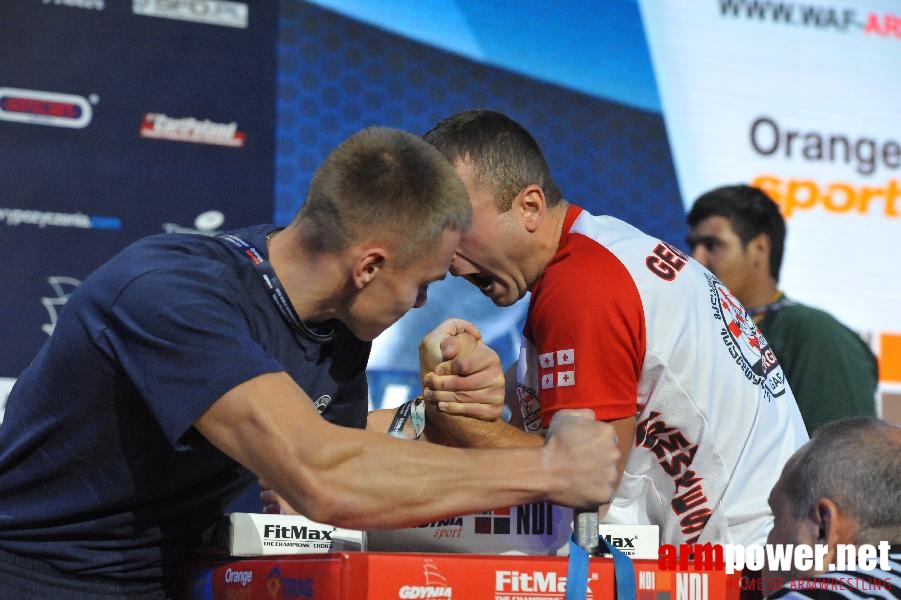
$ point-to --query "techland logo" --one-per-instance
(745, 342)
(190, 129)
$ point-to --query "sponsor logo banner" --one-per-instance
(19, 216)
(210, 12)
(188, 129)
(37, 107)
(86, 4)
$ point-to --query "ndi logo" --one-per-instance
(691, 586)
(530, 519)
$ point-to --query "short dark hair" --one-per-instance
(856, 463)
(750, 212)
(383, 181)
(502, 153)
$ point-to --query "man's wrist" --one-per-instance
(412, 411)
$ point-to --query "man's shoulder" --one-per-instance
(196, 243)
(803, 317)
(799, 310)
(605, 229)
(596, 241)
(170, 252)
(167, 265)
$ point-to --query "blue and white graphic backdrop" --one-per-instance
(579, 79)
(120, 120)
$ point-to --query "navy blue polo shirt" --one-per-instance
(101, 471)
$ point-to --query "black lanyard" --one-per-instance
(276, 292)
(770, 307)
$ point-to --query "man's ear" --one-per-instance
(833, 526)
(531, 206)
(367, 266)
(824, 518)
(760, 248)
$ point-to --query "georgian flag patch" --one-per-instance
(547, 381)
(566, 378)
(546, 360)
(566, 357)
(557, 368)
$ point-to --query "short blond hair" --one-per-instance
(383, 181)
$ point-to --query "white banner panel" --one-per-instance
(801, 99)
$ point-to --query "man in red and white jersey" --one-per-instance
(630, 327)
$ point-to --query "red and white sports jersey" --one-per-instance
(625, 324)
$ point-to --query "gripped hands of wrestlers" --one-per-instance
(461, 375)
(585, 453)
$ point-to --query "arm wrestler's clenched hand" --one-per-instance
(584, 453)
(461, 375)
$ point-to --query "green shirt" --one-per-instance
(831, 370)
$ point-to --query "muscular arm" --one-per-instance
(474, 433)
(367, 480)
(451, 427)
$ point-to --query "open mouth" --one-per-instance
(480, 281)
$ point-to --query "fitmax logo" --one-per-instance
(535, 582)
(621, 542)
(284, 532)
